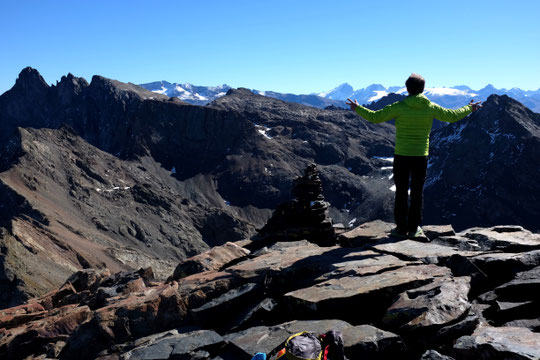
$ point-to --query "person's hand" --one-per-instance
(352, 104)
(475, 106)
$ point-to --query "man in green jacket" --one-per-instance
(414, 118)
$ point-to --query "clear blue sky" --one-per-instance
(287, 46)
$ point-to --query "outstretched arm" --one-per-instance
(385, 114)
(451, 115)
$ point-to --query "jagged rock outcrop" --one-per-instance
(386, 302)
(482, 169)
(305, 217)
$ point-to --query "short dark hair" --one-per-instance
(415, 84)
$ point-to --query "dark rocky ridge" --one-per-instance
(390, 299)
(483, 170)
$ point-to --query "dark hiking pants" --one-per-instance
(409, 170)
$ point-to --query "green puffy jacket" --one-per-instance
(414, 118)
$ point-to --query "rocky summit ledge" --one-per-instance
(466, 295)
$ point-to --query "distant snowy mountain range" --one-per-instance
(451, 97)
(197, 95)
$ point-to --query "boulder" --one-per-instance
(341, 297)
(32, 337)
(15, 316)
(87, 279)
(449, 333)
(368, 342)
(128, 317)
(502, 267)
(213, 259)
(429, 307)
(498, 343)
(507, 238)
(458, 242)
(435, 231)
(503, 312)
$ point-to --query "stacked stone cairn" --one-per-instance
(305, 217)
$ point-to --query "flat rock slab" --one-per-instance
(458, 242)
(531, 324)
(431, 306)
(362, 263)
(269, 339)
(203, 287)
(507, 238)
(279, 256)
(173, 344)
(414, 250)
(219, 311)
(506, 265)
(524, 287)
(434, 231)
(498, 343)
(367, 233)
(213, 259)
(264, 312)
(368, 342)
(341, 297)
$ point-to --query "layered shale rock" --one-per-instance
(386, 302)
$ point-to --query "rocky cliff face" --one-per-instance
(483, 170)
(465, 295)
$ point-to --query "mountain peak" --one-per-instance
(103, 83)
(375, 87)
(344, 86)
(72, 81)
(489, 87)
(239, 92)
(30, 79)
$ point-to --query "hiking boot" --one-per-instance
(418, 234)
(398, 234)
